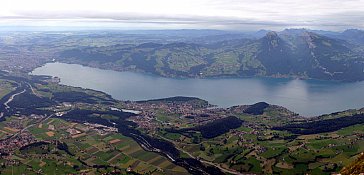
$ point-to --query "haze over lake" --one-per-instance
(306, 97)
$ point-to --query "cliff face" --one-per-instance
(357, 167)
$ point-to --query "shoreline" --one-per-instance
(278, 81)
(222, 76)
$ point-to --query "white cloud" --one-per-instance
(226, 14)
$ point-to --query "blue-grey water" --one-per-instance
(306, 97)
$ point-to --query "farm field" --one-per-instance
(262, 150)
(57, 129)
(85, 150)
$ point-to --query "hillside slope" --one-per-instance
(301, 54)
(356, 167)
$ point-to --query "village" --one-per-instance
(152, 115)
(19, 131)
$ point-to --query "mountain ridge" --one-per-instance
(291, 53)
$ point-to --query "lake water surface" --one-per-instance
(306, 97)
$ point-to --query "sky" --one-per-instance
(241, 15)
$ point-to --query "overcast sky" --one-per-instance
(177, 14)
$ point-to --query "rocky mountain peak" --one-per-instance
(271, 35)
(272, 40)
(310, 38)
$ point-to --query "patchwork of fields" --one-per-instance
(86, 150)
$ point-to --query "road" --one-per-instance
(15, 134)
(144, 143)
(7, 107)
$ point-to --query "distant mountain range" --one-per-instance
(296, 53)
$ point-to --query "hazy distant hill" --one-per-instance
(290, 53)
(354, 36)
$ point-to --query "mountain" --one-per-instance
(290, 53)
(354, 35)
(317, 56)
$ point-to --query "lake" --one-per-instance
(306, 97)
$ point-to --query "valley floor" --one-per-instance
(54, 129)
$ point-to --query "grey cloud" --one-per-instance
(335, 21)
